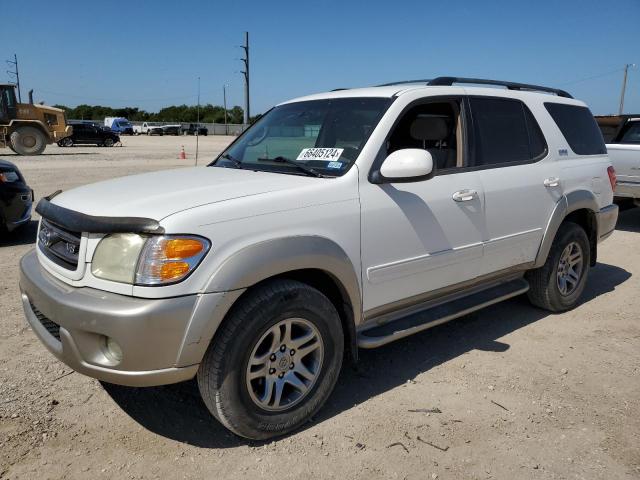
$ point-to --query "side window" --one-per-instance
(631, 133)
(578, 127)
(435, 127)
(505, 132)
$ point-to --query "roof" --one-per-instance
(445, 85)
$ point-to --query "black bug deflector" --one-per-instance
(80, 222)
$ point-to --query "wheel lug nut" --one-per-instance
(291, 366)
(272, 371)
(283, 348)
(272, 357)
(292, 352)
(281, 375)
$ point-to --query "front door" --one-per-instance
(422, 236)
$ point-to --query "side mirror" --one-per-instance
(406, 165)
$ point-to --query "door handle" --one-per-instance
(551, 182)
(465, 195)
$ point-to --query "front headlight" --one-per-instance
(150, 260)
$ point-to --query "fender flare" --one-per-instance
(572, 201)
(263, 260)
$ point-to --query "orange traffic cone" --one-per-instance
(182, 156)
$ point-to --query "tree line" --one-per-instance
(175, 113)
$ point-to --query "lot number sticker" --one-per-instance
(326, 154)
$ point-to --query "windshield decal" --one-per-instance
(337, 165)
(325, 154)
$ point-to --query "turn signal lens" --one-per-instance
(169, 259)
(182, 248)
(173, 270)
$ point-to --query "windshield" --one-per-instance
(324, 135)
(124, 123)
(154, 124)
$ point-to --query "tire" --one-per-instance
(546, 283)
(28, 141)
(247, 333)
(149, 132)
(108, 142)
(66, 142)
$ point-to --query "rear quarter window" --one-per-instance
(578, 127)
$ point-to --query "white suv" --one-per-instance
(324, 228)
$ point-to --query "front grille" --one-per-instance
(52, 327)
(61, 246)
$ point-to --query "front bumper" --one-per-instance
(73, 324)
(607, 218)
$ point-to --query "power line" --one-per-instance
(106, 99)
(604, 74)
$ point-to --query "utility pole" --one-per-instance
(245, 72)
(224, 99)
(16, 74)
(198, 122)
(624, 86)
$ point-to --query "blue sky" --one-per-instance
(149, 54)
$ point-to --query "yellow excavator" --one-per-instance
(26, 128)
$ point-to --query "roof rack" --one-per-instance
(448, 81)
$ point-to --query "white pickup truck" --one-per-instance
(148, 128)
(624, 151)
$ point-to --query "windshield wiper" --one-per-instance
(236, 163)
(303, 168)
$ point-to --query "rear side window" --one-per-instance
(505, 132)
(578, 127)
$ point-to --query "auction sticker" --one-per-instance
(326, 154)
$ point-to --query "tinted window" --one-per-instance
(631, 133)
(578, 127)
(505, 131)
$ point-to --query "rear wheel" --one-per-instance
(108, 142)
(558, 285)
(28, 141)
(274, 361)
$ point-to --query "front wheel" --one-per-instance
(274, 361)
(558, 285)
(28, 141)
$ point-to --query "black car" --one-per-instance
(16, 198)
(90, 134)
(194, 128)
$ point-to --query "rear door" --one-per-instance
(521, 181)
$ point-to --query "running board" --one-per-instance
(430, 317)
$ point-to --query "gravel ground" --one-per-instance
(507, 392)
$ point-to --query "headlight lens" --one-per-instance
(155, 260)
(9, 176)
(116, 257)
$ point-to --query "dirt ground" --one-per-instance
(510, 392)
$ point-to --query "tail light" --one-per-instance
(612, 177)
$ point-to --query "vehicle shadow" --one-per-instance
(178, 413)
(25, 235)
(629, 219)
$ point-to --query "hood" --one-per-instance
(47, 108)
(157, 195)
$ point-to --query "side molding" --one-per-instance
(576, 200)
